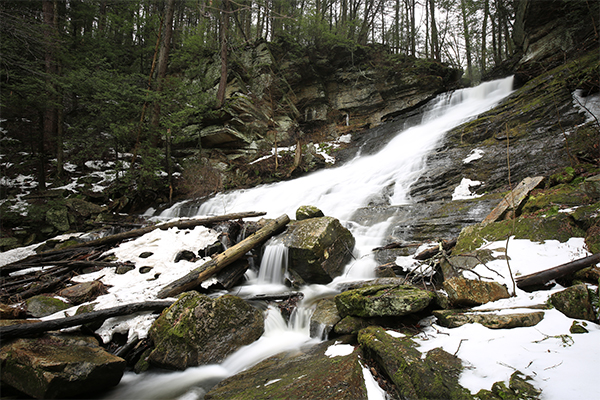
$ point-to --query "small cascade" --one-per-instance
(274, 263)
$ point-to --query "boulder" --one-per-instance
(574, 302)
(454, 319)
(435, 377)
(199, 330)
(313, 373)
(324, 318)
(59, 366)
(58, 217)
(306, 212)
(468, 292)
(319, 248)
(83, 292)
(382, 301)
(41, 306)
(83, 208)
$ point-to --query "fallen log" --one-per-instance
(198, 275)
(542, 277)
(36, 328)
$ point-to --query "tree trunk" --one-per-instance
(467, 37)
(486, 11)
(435, 46)
(198, 275)
(224, 29)
(545, 276)
(36, 328)
(163, 60)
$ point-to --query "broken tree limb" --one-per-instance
(545, 276)
(198, 275)
(513, 199)
(428, 253)
(36, 328)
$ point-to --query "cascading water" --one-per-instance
(338, 192)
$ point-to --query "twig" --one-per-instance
(459, 344)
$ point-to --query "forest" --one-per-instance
(120, 80)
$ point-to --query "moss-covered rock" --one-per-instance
(306, 212)
(83, 292)
(41, 306)
(312, 373)
(59, 366)
(435, 377)
(574, 302)
(559, 227)
(383, 301)
(199, 330)
(324, 318)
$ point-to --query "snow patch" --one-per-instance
(463, 190)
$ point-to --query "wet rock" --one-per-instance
(310, 373)
(214, 248)
(319, 248)
(574, 302)
(59, 366)
(435, 377)
(41, 306)
(454, 319)
(324, 318)
(382, 300)
(198, 330)
(467, 292)
(306, 212)
(83, 292)
(145, 254)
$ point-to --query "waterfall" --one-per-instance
(274, 263)
(338, 192)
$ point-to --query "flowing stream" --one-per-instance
(338, 192)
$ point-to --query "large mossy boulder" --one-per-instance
(59, 366)
(199, 330)
(329, 370)
(435, 377)
(382, 301)
(319, 248)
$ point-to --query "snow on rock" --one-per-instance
(463, 190)
(475, 154)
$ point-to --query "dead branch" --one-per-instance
(545, 276)
(36, 328)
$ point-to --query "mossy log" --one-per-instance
(36, 328)
(542, 277)
(198, 275)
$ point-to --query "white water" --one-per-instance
(338, 192)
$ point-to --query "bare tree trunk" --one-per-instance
(467, 37)
(486, 11)
(163, 60)
(224, 29)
